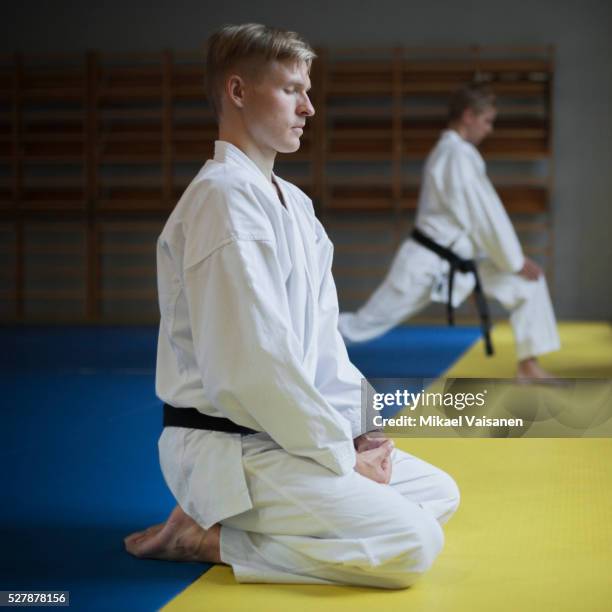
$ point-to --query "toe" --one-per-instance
(132, 537)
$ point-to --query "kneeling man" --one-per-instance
(263, 446)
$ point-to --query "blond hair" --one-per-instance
(475, 96)
(253, 44)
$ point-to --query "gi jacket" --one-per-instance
(458, 208)
(248, 326)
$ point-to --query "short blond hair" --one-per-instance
(235, 45)
(475, 96)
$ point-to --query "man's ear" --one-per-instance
(234, 90)
(468, 116)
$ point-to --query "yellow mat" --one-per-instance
(586, 352)
(533, 533)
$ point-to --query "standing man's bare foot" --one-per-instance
(180, 538)
(530, 369)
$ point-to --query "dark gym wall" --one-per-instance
(583, 87)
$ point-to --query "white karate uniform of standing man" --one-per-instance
(248, 332)
(459, 209)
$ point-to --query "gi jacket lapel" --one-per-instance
(301, 288)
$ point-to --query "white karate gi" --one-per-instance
(458, 208)
(249, 331)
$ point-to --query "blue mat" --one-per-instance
(413, 352)
(79, 455)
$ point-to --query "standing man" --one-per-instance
(460, 217)
(263, 446)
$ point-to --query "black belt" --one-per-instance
(462, 265)
(194, 419)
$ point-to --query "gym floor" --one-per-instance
(81, 423)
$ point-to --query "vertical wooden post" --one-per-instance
(167, 116)
(550, 200)
(17, 159)
(319, 144)
(397, 140)
(91, 188)
(477, 59)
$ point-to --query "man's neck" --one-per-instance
(460, 129)
(263, 159)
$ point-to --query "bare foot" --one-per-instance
(180, 538)
(530, 369)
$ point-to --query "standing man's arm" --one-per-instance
(489, 224)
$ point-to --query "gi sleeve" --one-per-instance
(489, 225)
(249, 357)
(337, 379)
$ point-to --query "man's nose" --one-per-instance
(306, 108)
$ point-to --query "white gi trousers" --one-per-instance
(531, 314)
(311, 526)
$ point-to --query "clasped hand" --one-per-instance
(374, 457)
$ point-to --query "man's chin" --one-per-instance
(290, 147)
